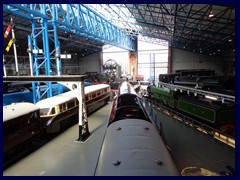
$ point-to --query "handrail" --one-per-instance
(222, 97)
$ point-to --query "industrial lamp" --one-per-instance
(211, 14)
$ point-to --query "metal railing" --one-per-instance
(222, 97)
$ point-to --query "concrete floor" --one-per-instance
(63, 156)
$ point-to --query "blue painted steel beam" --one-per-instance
(9, 9)
(46, 50)
(26, 8)
(78, 19)
(57, 60)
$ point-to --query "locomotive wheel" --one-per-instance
(110, 64)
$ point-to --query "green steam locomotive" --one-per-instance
(202, 108)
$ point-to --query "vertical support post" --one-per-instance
(40, 62)
(153, 56)
(80, 100)
(152, 67)
(14, 48)
(133, 58)
(170, 59)
(133, 64)
(4, 68)
(34, 46)
(35, 69)
(58, 61)
(30, 55)
(56, 42)
(82, 123)
(46, 49)
(57, 45)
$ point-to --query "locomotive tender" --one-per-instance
(132, 145)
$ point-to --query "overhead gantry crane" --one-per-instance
(47, 20)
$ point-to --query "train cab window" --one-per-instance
(44, 111)
(98, 93)
(130, 112)
(93, 94)
(52, 111)
(71, 104)
(63, 107)
(105, 90)
(86, 97)
(60, 107)
(36, 114)
(128, 100)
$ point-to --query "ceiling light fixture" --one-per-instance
(211, 14)
(211, 97)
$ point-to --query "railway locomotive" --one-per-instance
(201, 79)
(58, 110)
(211, 112)
(132, 146)
(23, 120)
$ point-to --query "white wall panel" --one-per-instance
(91, 63)
(187, 60)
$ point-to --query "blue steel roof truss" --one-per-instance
(80, 19)
(83, 21)
(76, 19)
